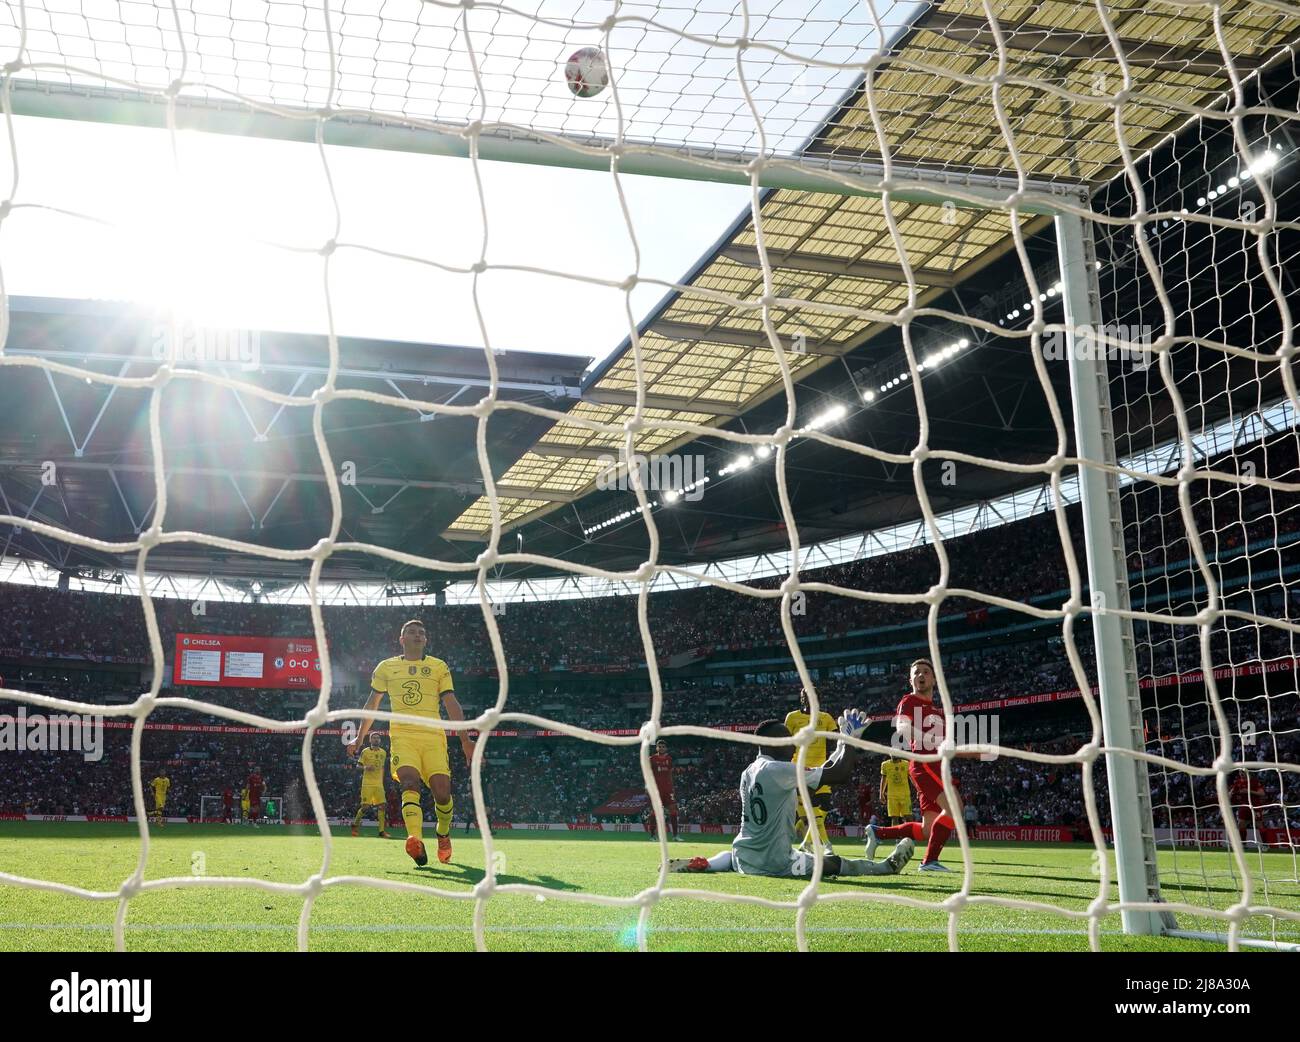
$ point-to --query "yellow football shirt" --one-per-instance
(160, 786)
(798, 720)
(372, 764)
(895, 774)
(413, 687)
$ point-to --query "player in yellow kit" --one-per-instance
(244, 803)
(895, 790)
(160, 786)
(818, 754)
(419, 685)
(371, 761)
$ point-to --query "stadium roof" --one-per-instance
(78, 455)
(706, 361)
(837, 250)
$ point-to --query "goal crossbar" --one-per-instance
(514, 144)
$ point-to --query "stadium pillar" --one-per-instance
(1117, 679)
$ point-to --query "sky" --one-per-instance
(193, 236)
(201, 245)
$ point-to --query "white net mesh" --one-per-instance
(1212, 550)
(1003, 106)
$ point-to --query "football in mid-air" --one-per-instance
(586, 72)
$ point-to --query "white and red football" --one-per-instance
(586, 72)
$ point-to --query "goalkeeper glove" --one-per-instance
(853, 722)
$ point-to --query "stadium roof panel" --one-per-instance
(933, 113)
(838, 250)
(240, 466)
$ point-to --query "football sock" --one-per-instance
(821, 825)
(849, 866)
(361, 812)
(939, 833)
(381, 819)
(801, 827)
(443, 810)
(674, 821)
(908, 830)
(720, 862)
(413, 813)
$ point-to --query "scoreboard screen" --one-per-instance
(214, 660)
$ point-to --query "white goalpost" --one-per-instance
(944, 137)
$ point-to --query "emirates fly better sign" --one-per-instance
(213, 660)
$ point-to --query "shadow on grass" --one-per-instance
(470, 877)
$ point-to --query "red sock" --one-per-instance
(674, 824)
(939, 833)
(907, 830)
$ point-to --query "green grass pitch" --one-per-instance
(348, 917)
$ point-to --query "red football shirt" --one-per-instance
(662, 765)
(254, 786)
(1246, 790)
(921, 714)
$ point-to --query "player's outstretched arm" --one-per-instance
(371, 705)
(455, 712)
(839, 768)
(723, 861)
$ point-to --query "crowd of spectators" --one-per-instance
(1248, 533)
(93, 647)
(566, 779)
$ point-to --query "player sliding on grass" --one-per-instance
(416, 683)
(769, 793)
(919, 722)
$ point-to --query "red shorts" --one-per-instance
(669, 801)
(928, 781)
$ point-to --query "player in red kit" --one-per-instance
(662, 765)
(1247, 796)
(254, 796)
(227, 808)
(918, 720)
(395, 805)
(865, 803)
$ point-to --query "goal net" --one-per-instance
(1120, 174)
(214, 808)
(1208, 544)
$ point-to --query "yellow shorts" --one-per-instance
(243, 805)
(427, 754)
(159, 802)
(372, 794)
(900, 808)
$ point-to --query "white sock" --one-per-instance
(861, 867)
(720, 862)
